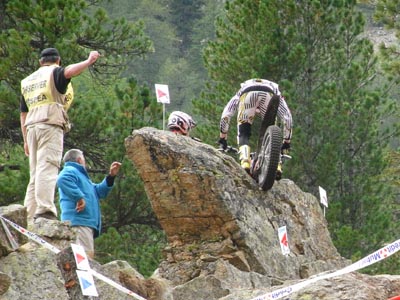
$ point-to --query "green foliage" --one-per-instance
(128, 203)
(392, 172)
(155, 15)
(102, 117)
(245, 47)
(387, 12)
(139, 245)
(179, 75)
(14, 174)
(340, 130)
(176, 60)
(74, 27)
(105, 117)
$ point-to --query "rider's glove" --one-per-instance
(223, 143)
(285, 147)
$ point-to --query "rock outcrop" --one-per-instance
(222, 229)
(211, 209)
(222, 236)
(31, 272)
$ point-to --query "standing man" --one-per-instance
(252, 98)
(80, 197)
(46, 94)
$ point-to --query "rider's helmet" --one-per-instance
(252, 81)
(180, 122)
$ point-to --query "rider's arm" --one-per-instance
(229, 110)
(286, 116)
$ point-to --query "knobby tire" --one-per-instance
(269, 156)
(268, 119)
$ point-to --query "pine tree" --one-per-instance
(130, 229)
(329, 76)
(249, 43)
(340, 118)
(387, 12)
(102, 117)
(184, 15)
(75, 28)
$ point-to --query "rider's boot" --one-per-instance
(244, 156)
(279, 171)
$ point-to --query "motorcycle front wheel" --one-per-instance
(269, 156)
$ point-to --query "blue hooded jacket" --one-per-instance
(73, 184)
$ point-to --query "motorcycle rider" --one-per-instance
(180, 123)
(252, 98)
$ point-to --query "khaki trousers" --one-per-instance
(84, 237)
(45, 144)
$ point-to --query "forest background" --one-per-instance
(341, 88)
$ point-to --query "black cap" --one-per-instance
(49, 52)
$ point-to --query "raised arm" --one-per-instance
(76, 69)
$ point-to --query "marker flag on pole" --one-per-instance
(82, 262)
(323, 197)
(162, 93)
(87, 283)
(283, 240)
(85, 277)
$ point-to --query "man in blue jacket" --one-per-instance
(80, 197)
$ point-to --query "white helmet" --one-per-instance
(180, 121)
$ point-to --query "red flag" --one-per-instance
(284, 240)
(162, 93)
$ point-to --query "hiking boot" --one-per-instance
(46, 215)
(279, 172)
(244, 156)
(245, 165)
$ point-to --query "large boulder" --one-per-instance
(211, 209)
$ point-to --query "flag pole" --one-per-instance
(163, 121)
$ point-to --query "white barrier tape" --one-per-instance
(32, 236)
(47, 245)
(13, 242)
(373, 258)
(114, 284)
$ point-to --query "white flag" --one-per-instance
(162, 93)
(82, 262)
(323, 197)
(87, 283)
(283, 240)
